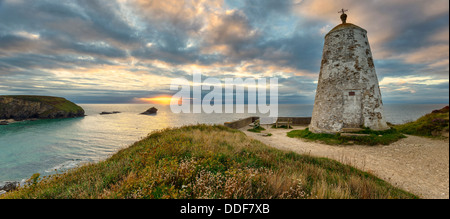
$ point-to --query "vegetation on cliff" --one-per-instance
(431, 125)
(40, 107)
(198, 162)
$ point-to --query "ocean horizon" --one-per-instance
(53, 146)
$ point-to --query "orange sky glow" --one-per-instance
(162, 100)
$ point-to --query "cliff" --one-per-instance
(37, 107)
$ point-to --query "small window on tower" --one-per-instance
(352, 94)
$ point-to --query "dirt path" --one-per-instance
(415, 164)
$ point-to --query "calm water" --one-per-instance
(48, 146)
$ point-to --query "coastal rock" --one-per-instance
(150, 111)
(37, 107)
(109, 113)
(9, 186)
(4, 122)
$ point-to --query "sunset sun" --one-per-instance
(162, 100)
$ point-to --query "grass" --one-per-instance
(257, 129)
(375, 137)
(430, 125)
(209, 162)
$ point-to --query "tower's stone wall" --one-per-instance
(348, 93)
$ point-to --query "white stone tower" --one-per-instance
(348, 93)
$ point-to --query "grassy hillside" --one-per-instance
(430, 125)
(197, 162)
(60, 104)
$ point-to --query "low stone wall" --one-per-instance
(298, 120)
(247, 121)
(241, 123)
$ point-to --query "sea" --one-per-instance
(54, 146)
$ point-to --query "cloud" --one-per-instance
(386, 21)
(130, 48)
(412, 80)
(430, 54)
(440, 36)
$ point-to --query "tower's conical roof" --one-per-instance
(345, 26)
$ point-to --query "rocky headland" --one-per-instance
(21, 108)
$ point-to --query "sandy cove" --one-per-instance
(9, 121)
(416, 164)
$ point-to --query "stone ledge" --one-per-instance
(350, 130)
(354, 135)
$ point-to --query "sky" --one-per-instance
(124, 51)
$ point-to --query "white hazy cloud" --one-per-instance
(424, 80)
(86, 47)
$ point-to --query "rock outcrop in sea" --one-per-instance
(109, 113)
(150, 111)
(37, 107)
